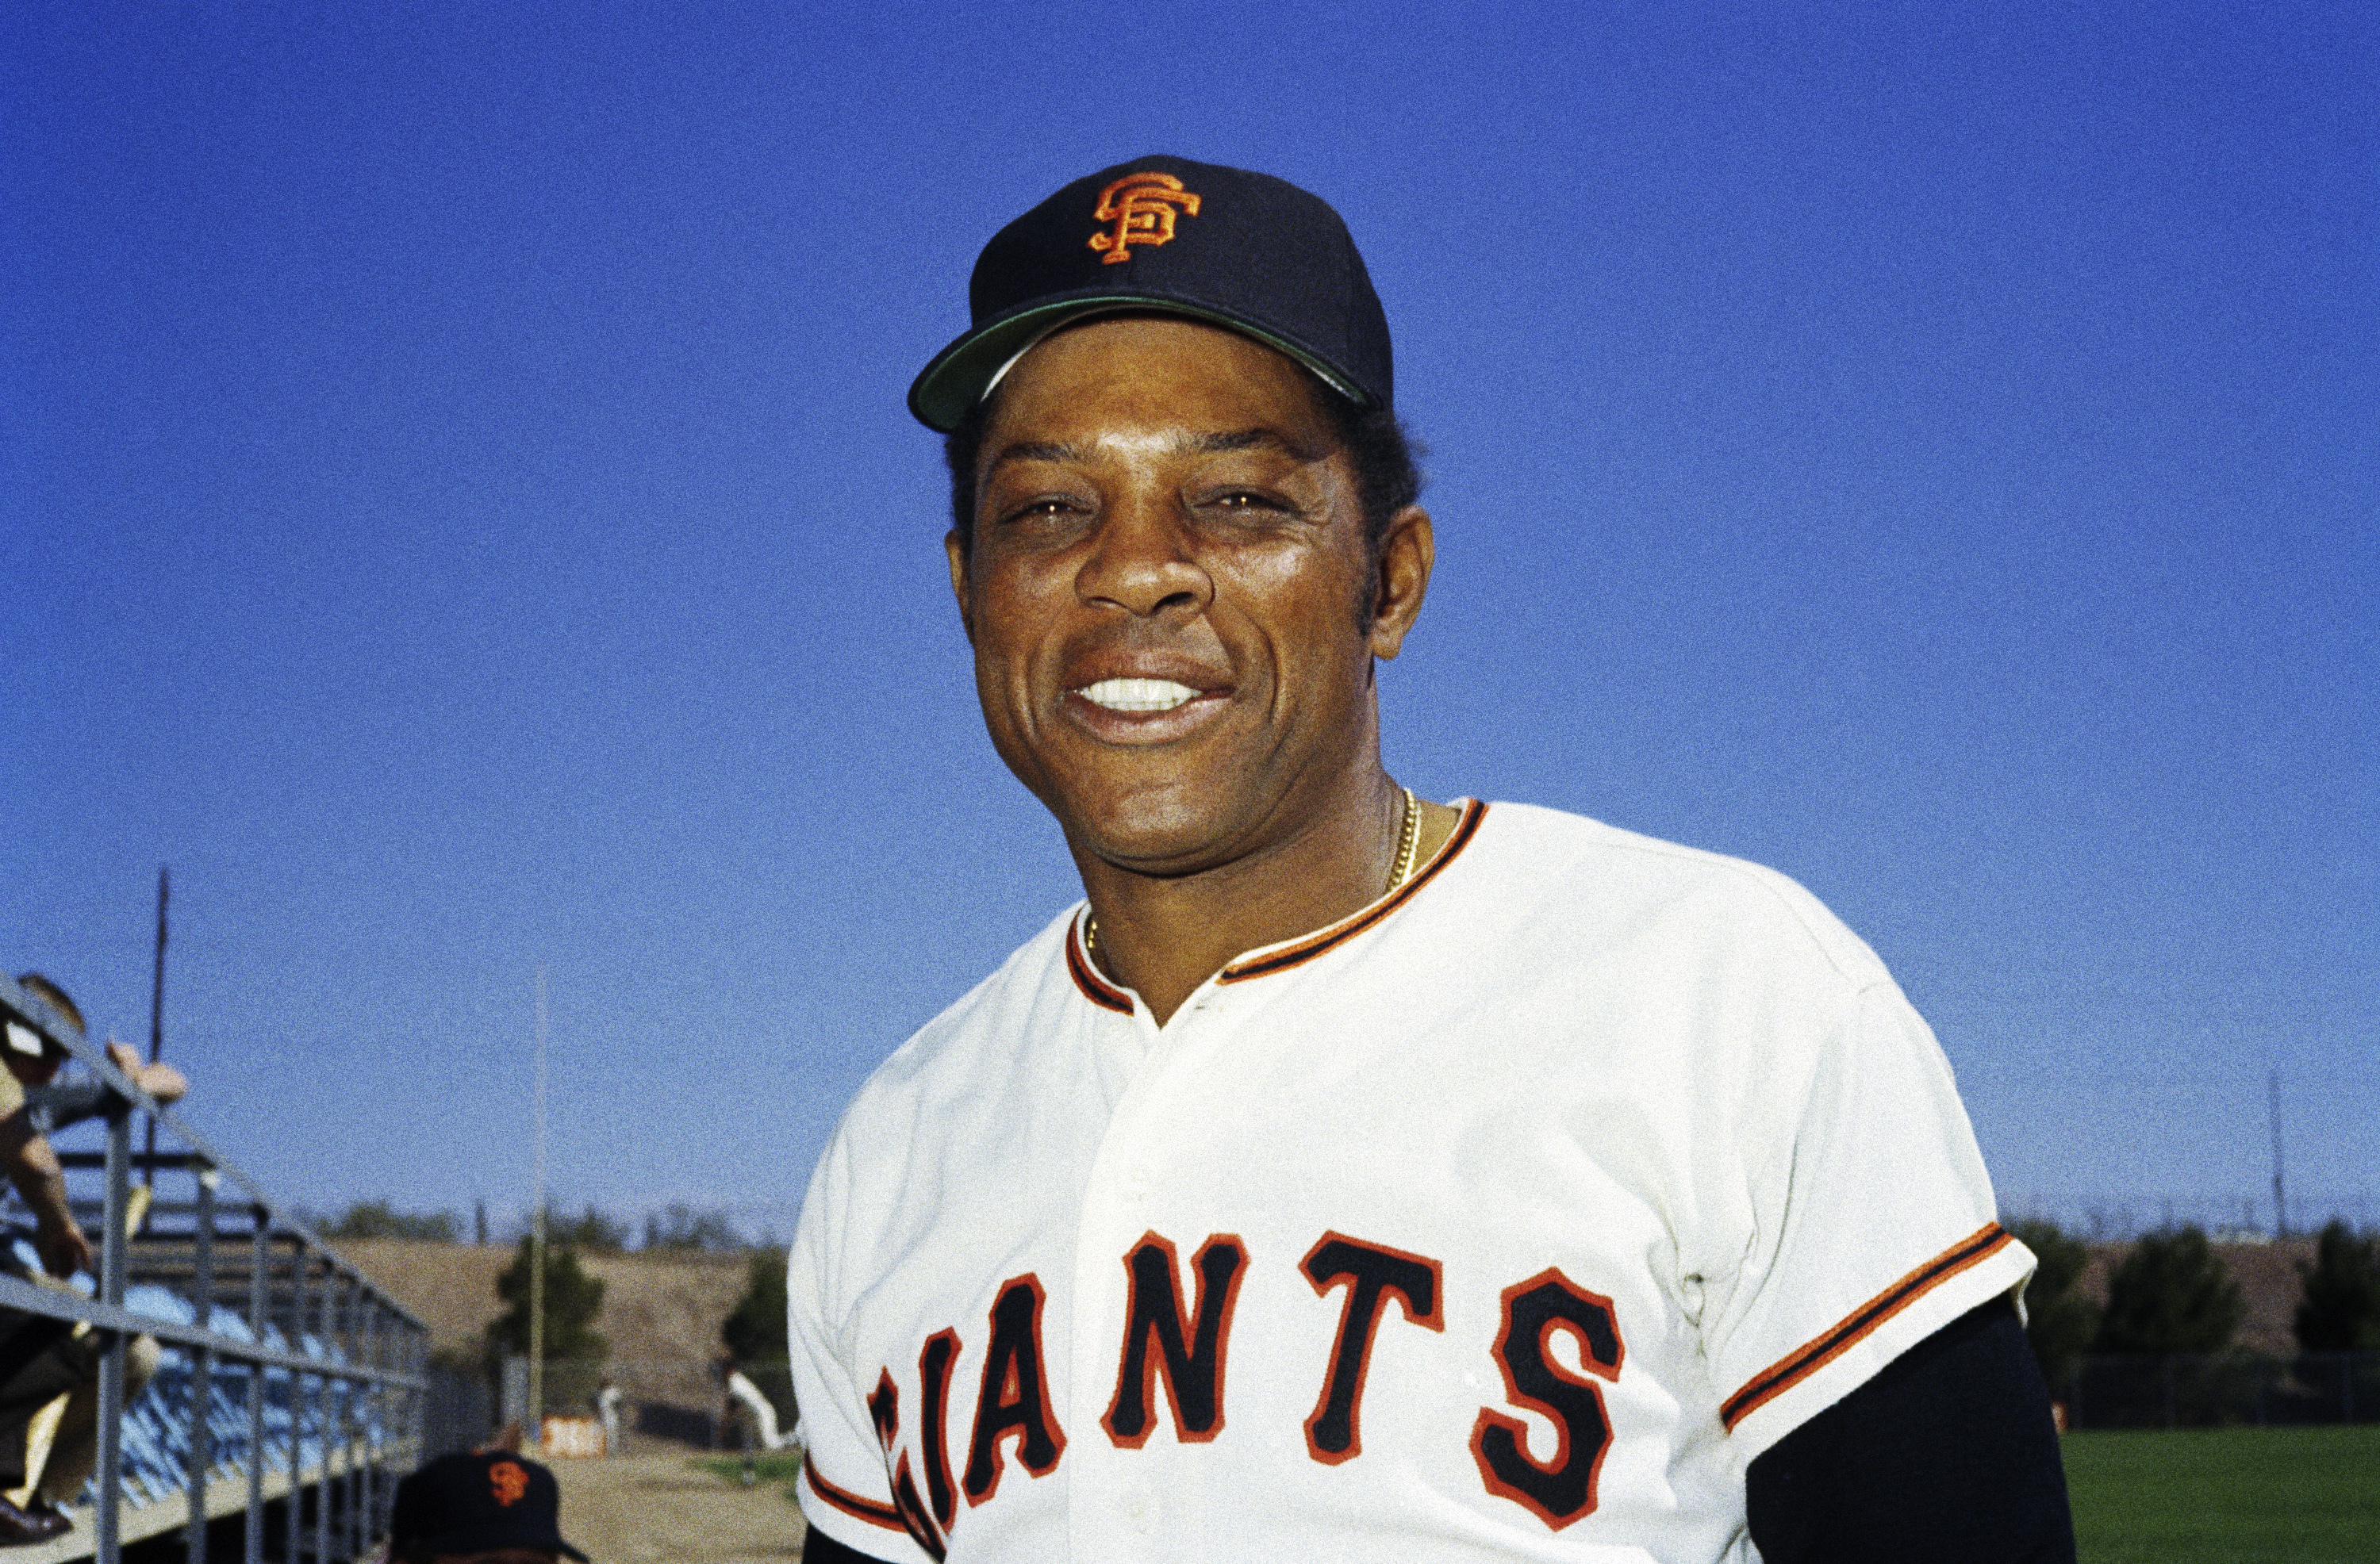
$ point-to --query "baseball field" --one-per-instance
(2227, 1496)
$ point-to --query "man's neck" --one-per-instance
(1163, 936)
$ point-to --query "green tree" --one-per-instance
(573, 1298)
(2170, 1295)
(681, 1228)
(754, 1334)
(381, 1218)
(2341, 1310)
(593, 1229)
(2060, 1321)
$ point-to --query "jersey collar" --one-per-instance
(1269, 959)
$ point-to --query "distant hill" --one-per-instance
(662, 1314)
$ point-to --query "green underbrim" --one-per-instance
(956, 379)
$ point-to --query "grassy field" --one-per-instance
(768, 1470)
(2290, 1495)
(2220, 1495)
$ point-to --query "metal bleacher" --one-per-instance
(289, 1389)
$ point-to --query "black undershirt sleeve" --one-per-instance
(1948, 1455)
(819, 1549)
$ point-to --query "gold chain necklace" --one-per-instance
(1408, 840)
(1408, 844)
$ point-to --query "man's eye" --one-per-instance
(1243, 500)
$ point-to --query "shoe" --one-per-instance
(38, 1523)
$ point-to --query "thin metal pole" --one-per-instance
(294, 1524)
(323, 1428)
(108, 1524)
(157, 1015)
(535, 1432)
(2280, 1196)
(375, 1420)
(351, 1423)
(260, 1261)
(203, 1367)
(328, 1488)
(417, 1398)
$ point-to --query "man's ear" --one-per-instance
(956, 546)
(1407, 551)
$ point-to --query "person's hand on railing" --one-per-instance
(63, 1248)
(159, 1080)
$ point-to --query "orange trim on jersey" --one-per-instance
(850, 1503)
(1095, 989)
(1805, 1361)
(1339, 933)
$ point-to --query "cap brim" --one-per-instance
(470, 1541)
(959, 375)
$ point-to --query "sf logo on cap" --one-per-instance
(509, 1482)
(1141, 206)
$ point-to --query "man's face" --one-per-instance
(1168, 594)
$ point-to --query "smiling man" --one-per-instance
(1352, 1174)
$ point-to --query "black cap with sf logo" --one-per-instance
(477, 1503)
(1243, 250)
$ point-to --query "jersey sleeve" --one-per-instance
(843, 1490)
(1871, 1221)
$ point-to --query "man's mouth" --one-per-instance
(1138, 695)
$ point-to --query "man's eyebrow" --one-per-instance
(1028, 451)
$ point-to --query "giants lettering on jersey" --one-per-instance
(1193, 1369)
(1184, 1340)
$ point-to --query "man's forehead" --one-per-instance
(1128, 443)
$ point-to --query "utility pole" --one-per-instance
(2280, 1196)
(156, 1020)
(536, 1429)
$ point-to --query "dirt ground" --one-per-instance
(660, 1510)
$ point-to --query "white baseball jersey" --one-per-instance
(1508, 1218)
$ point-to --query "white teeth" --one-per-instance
(1138, 695)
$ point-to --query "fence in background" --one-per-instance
(2242, 1219)
(673, 1400)
(2189, 1392)
(290, 1388)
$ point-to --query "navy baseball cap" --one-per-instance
(477, 1503)
(1243, 250)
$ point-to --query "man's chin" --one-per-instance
(1170, 839)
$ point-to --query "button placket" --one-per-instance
(1120, 1185)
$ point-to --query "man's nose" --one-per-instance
(1141, 560)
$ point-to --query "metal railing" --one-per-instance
(287, 1378)
(2204, 1390)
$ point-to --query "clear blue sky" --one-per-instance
(457, 509)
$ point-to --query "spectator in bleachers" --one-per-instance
(490, 1506)
(41, 1358)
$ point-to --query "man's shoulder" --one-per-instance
(977, 1031)
(1570, 864)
